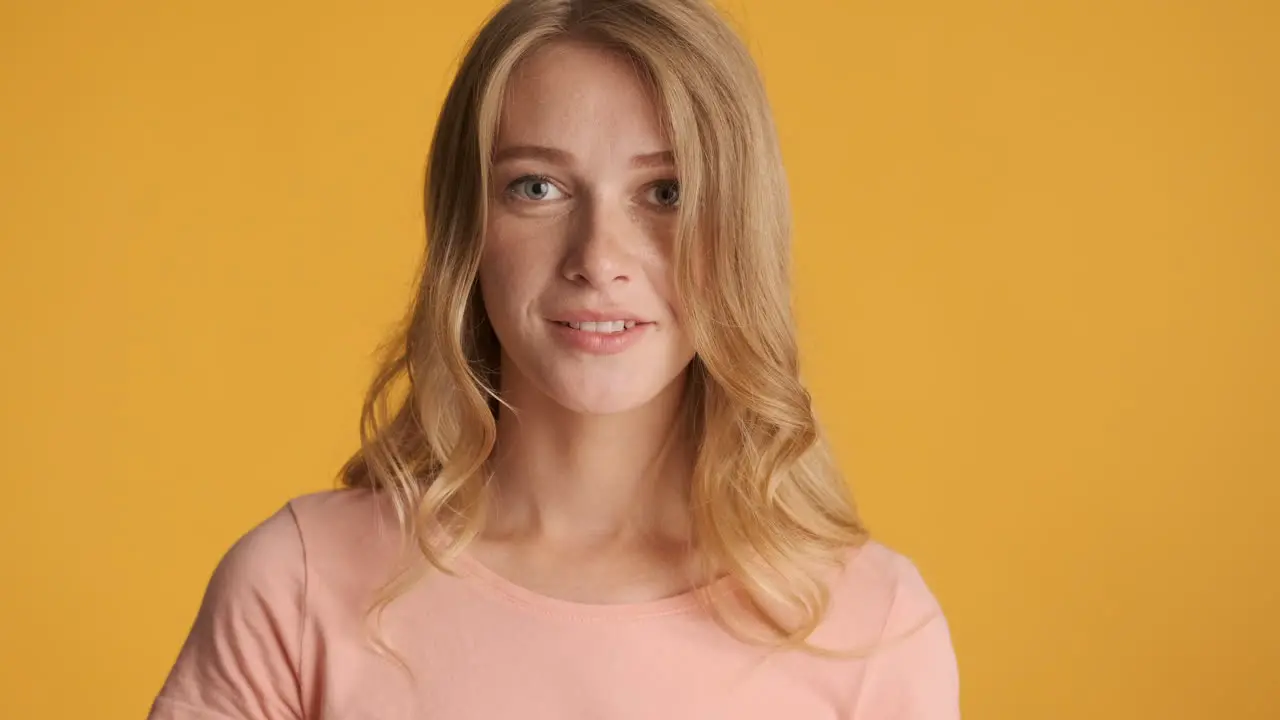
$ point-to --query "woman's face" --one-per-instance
(575, 274)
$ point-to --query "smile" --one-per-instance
(599, 337)
(606, 326)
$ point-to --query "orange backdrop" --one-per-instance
(1038, 285)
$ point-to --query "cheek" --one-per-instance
(495, 284)
(509, 273)
(659, 260)
(661, 275)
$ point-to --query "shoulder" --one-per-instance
(328, 533)
(877, 592)
(268, 555)
(245, 654)
(882, 603)
(877, 575)
(304, 523)
(346, 515)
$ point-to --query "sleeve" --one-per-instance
(241, 659)
(913, 674)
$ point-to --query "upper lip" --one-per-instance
(581, 316)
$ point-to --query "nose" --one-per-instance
(600, 252)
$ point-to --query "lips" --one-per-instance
(577, 317)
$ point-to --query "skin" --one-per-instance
(591, 483)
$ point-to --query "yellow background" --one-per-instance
(1038, 260)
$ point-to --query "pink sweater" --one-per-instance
(282, 634)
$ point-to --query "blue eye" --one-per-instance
(666, 193)
(534, 188)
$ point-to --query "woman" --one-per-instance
(591, 483)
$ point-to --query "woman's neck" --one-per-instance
(576, 479)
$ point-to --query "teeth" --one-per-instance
(608, 326)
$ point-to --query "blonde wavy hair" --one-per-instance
(768, 507)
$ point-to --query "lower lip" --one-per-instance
(598, 343)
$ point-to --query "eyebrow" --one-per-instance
(662, 158)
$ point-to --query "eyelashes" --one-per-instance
(662, 194)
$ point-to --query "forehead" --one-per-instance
(574, 95)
